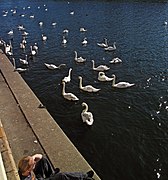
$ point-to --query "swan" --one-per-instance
(79, 59)
(84, 42)
(115, 60)
(68, 78)
(87, 88)
(44, 38)
(82, 29)
(68, 96)
(64, 41)
(35, 47)
(100, 67)
(87, 117)
(33, 52)
(121, 84)
(7, 48)
(65, 31)
(25, 33)
(111, 48)
(10, 32)
(24, 61)
(24, 40)
(104, 44)
(18, 69)
(41, 23)
(72, 12)
(103, 77)
(54, 24)
(53, 66)
(21, 28)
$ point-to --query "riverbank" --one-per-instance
(31, 129)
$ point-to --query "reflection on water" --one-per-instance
(128, 139)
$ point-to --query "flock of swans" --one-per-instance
(87, 117)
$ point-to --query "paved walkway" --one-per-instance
(30, 129)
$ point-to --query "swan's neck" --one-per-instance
(14, 63)
(113, 83)
(86, 108)
(93, 64)
(63, 88)
(69, 73)
(80, 83)
(75, 55)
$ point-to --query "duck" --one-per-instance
(79, 59)
(111, 48)
(103, 77)
(104, 44)
(24, 61)
(120, 84)
(88, 88)
(18, 69)
(87, 117)
(82, 29)
(53, 66)
(44, 38)
(100, 67)
(84, 42)
(68, 96)
(68, 78)
(115, 60)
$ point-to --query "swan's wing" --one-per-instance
(71, 97)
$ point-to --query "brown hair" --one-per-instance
(24, 165)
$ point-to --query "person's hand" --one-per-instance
(37, 157)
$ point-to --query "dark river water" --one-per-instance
(129, 137)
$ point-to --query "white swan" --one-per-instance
(79, 59)
(88, 88)
(68, 78)
(121, 84)
(24, 61)
(84, 42)
(64, 41)
(35, 47)
(10, 32)
(18, 69)
(115, 60)
(41, 23)
(82, 29)
(54, 23)
(111, 48)
(104, 44)
(87, 117)
(33, 52)
(68, 96)
(100, 67)
(103, 77)
(44, 38)
(53, 66)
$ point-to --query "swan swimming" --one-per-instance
(120, 84)
(84, 42)
(100, 67)
(103, 77)
(115, 60)
(82, 29)
(68, 96)
(24, 61)
(88, 88)
(18, 69)
(104, 44)
(53, 66)
(67, 78)
(44, 38)
(32, 51)
(64, 41)
(87, 117)
(111, 48)
(79, 59)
